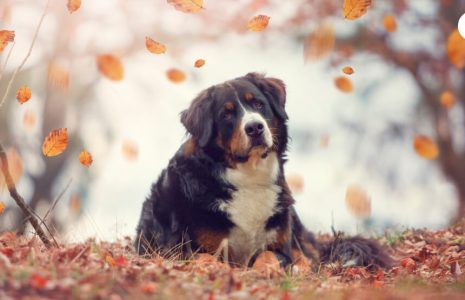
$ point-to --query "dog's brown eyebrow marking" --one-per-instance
(236, 94)
(248, 96)
(229, 105)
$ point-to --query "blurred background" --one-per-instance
(362, 138)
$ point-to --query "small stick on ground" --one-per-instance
(20, 201)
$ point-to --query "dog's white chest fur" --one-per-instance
(252, 204)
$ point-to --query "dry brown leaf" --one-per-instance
(456, 49)
(85, 158)
(354, 9)
(447, 99)
(258, 23)
(319, 43)
(6, 36)
(187, 6)
(110, 66)
(154, 46)
(130, 150)
(344, 84)
(2, 207)
(15, 165)
(295, 183)
(199, 63)
(149, 287)
(58, 76)
(390, 23)
(348, 70)
(266, 262)
(24, 94)
(358, 202)
(425, 147)
(56, 142)
(176, 75)
(29, 119)
(73, 5)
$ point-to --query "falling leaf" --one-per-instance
(425, 147)
(75, 204)
(149, 287)
(6, 36)
(348, 70)
(55, 142)
(447, 99)
(24, 94)
(258, 23)
(354, 9)
(199, 63)
(319, 42)
(73, 5)
(130, 150)
(343, 84)
(390, 23)
(187, 6)
(176, 75)
(15, 165)
(37, 281)
(58, 76)
(85, 158)
(456, 49)
(110, 66)
(2, 207)
(29, 119)
(295, 182)
(358, 202)
(154, 46)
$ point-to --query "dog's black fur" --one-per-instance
(190, 205)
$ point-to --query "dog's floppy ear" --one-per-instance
(198, 118)
(274, 89)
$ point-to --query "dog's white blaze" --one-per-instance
(250, 117)
(251, 205)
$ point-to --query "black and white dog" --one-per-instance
(225, 187)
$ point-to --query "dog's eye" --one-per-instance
(257, 105)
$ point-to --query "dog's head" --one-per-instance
(244, 117)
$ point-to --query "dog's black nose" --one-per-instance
(254, 129)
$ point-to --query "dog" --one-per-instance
(225, 189)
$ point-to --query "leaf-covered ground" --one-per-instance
(428, 266)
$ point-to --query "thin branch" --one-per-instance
(6, 60)
(10, 83)
(56, 200)
(20, 201)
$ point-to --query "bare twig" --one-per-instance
(20, 201)
(10, 83)
(56, 200)
(6, 60)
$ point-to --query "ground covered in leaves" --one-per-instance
(428, 266)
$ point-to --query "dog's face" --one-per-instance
(244, 117)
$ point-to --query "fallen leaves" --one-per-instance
(456, 49)
(319, 42)
(258, 23)
(110, 66)
(73, 5)
(390, 23)
(354, 9)
(425, 147)
(409, 264)
(154, 46)
(344, 84)
(199, 63)
(55, 142)
(358, 202)
(266, 263)
(447, 99)
(348, 70)
(24, 94)
(187, 6)
(85, 158)
(6, 36)
(176, 75)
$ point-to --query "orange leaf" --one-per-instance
(24, 94)
(85, 158)
(447, 99)
(266, 262)
(408, 263)
(6, 36)
(319, 43)
(354, 9)
(2, 207)
(176, 75)
(390, 23)
(199, 63)
(187, 6)
(456, 49)
(348, 70)
(110, 66)
(425, 147)
(29, 119)
(343, 84)
(149, 287)
(154, 46)
(295, 183)
(37, 281)
(110, 260)
(15, 165)
(121, 261)
(358, 202)
(73, 5)
(56, 142)
(58, 76)
(258, 23)
(130, 150)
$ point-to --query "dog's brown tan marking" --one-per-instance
(189, 147)
(248, 96)
(229, 105)
(210, 240)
